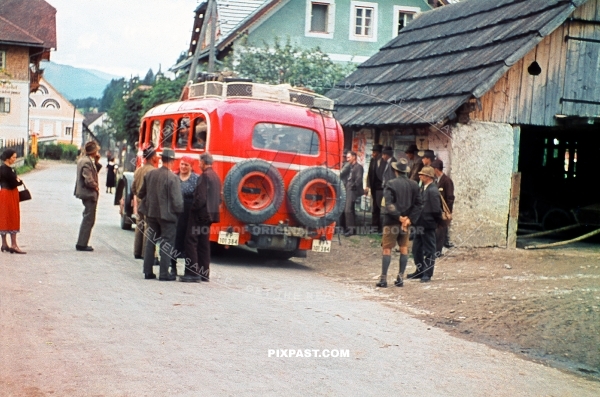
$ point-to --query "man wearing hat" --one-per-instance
(431, 216)
(402, 208)
(375, 185)
(87, 190)
(388, 156)
(427, 157)
(446, 188)
(414, 162)
(162, 203)
(150, 163)
(352, 177)
(203, 213)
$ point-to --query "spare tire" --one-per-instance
(253, 191)
(317, 197)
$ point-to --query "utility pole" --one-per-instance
(213, 33)
(211, 12)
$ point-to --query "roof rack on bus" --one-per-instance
(283, 93)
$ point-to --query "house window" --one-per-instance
(2, 59)
(320, 18)
(68, 131)
(318, 21)
(4, 105)
(402, 16)
(363, 22)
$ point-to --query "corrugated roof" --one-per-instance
(443, 58)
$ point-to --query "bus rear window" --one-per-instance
(285, 138)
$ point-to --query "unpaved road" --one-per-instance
(87, 324)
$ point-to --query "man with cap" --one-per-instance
(87, 189)
(402, 208)
(414, 162)
(203, 213)
(375, 185)
(162, 203)
(150, 163)
(352, 176)
(446, 188)
(424, 242)
(388, 172)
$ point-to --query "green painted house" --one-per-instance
(347, 30)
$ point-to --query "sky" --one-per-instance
(122, 37)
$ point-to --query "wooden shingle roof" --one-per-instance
(443, 58)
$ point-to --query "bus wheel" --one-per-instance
(317, 197)
(253, 191)
(126, 221)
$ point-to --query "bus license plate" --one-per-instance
(321, 246)
(229, 238)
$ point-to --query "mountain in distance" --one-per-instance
(76, 83)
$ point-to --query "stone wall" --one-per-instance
(482, 166)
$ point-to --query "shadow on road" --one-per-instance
(245, 257)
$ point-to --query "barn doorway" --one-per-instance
(557, 166)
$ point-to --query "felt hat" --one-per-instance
(401, 165)
(377, 148)
(168, 154)
(438, 164)
(412, 149)
(91, 148)
(388, 150)
(428, 171)
(428, 154)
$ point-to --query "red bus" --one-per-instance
(277, 151)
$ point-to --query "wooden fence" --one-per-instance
(17, 145)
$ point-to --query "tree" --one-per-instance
(127, 111)
(113, 91)
(287, 63)
(149, 79)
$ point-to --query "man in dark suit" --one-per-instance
(431, 215)
(203, 213)
(388, 157)
(87, 189)
(352, 176)
(375, 186)
(414, 162)
(151, 162)
(446, 188)
(402, 208)
(162, 202)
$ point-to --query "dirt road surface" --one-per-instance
(87, 324)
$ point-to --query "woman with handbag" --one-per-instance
(10, 213)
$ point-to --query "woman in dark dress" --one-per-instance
(10, 213)
(189, 180)
(111, 174)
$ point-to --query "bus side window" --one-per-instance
(200, 131)
(155, 132)
(183, 133)
(167, 133)
(143, 135)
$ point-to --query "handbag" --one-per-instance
(446, 214)
(24, 194)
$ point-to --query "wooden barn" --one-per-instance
(506, 92)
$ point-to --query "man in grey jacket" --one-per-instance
(87, 190)
(162, 203)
